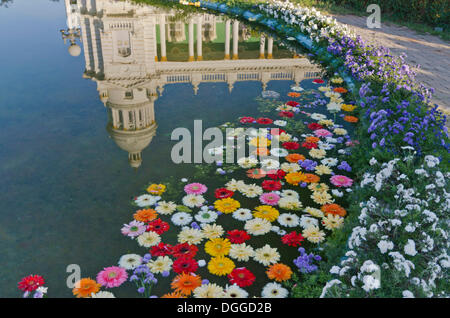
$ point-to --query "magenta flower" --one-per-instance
(322, 133)
(113, 276)
(195, 188)
(134, 228)
(270, 198)
(341, 181)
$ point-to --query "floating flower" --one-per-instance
(161, 249)
(266, 255)
(185, 264)
(264, 121)
(149, 239)
(292, 239)
(133, 229)
(211, 231)
(146, 200)
(348, 107)
(286, 114)
(266, 212)
(145, 215)
(322, 197)
(241, 252)
(85, 287)
(314, 126)
(351, 119)
(235, 291)
(173, 295)
(294, 94)
(184, 249)
(318, 81)
(193, 200)
(340, 90)
(112, 276)
(256, 173)
(274, 290)
(209, 291)
(278, 152)
(291, 145)
(31, 283)
(181, 218)
(191, 236)
(238, 236)
(341, 181)
(288, 220)
(246, 120)
(295, 157)
(241, 277)
(257, 226)
(322, 133)
(195, 188)
(271, 185)
(279, 272)
(220, 266)
(269, 198)
(247, 162)
(206, 216)
(158, 226)
(223, 193)
(227, 205)
(186, 283)
(334, 209)
(332, 221)
(130, 261)
(310, 178)
(156, 189)
(166, 208)
(160, 264)
(218, 247)
(294, 178)
(242, 214)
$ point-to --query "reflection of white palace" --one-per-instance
(132, 51)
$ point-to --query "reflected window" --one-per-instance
(122, 41)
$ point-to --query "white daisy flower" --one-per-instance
(130, 261)
(181, 218)
(242, 214)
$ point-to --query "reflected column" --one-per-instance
(227, 39)
(262, 44)
(235, 39)
(191, 41)
(270, 48)
(162, 38)
(199, 39)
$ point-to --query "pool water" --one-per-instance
(70, 161)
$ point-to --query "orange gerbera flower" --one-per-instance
(173, 295)
(261, 151)
(186, 283)
(256, 173)
(145, 215)
(333, 208)
(294, 157)
(294, 94)
(312, 139)
(279, 272)
(351, 119)
(85, 287)
(294, 178)
(340, 90)
(310, 178)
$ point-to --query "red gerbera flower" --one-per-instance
(309, 145)
(241, 277)
(278, 175)
(290, 145)
(318, 81)
(158, 226)
(286, 114)
(31, 283)
(184, 249)
(292, 239)
(276, 131)
(314, 126)
(246, 120)
(292, 103)
(223, 193)
(237, 236)
(185, 264)
(161, 249)
(264, 121)
(271, 185)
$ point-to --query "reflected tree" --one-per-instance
(5, 3)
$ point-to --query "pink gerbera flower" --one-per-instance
(270, 198)
(134, 228)
(195, 188)
(322, 133)
(113, 276)
(341, 181)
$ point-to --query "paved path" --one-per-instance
(431, 52)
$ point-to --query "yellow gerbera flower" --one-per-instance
(156, 189)
(218, 247)
(220, 266)
(348, 107)
(294, 178)
(227, 205)
(266, 212)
